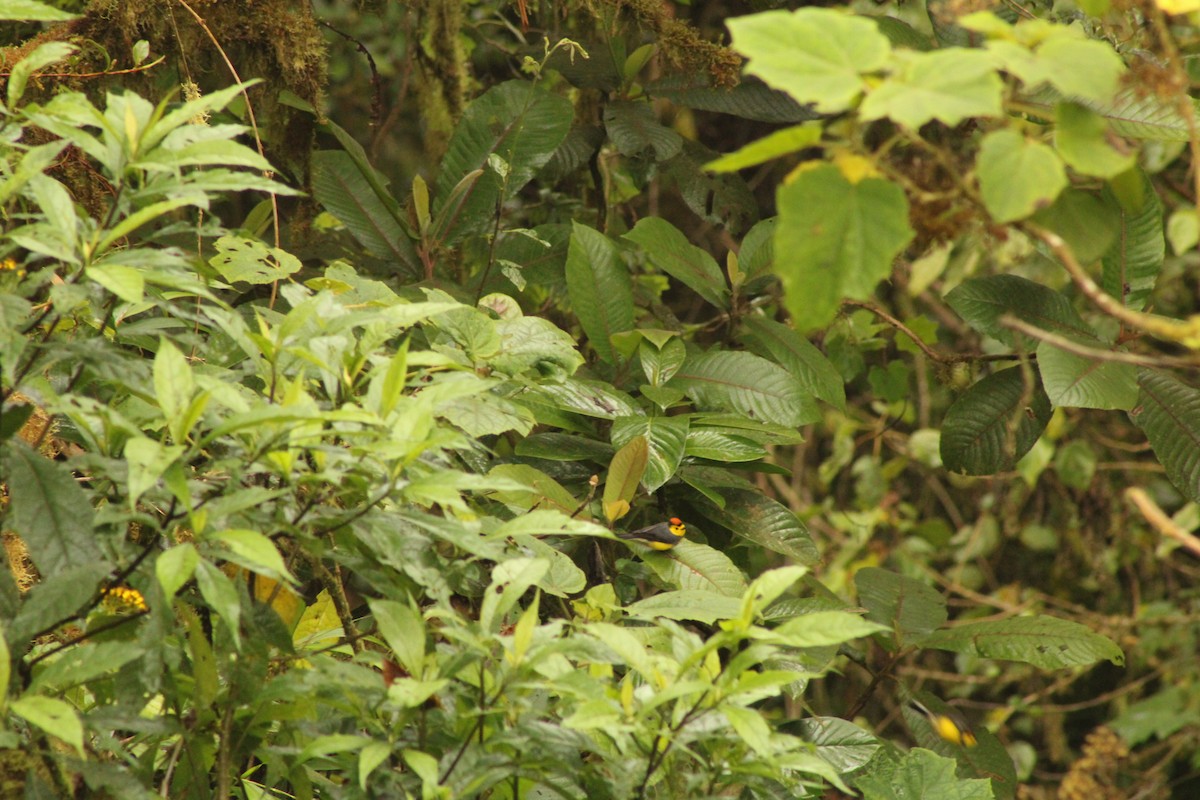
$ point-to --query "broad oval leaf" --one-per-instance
(907, 606)
(947, 85)
(982, 302)
(666, 437)
(624, 474)
(690, 565)
(693, 604)
(765, 522)
(797, 355)
(51, 514)
(600, 288)
(669, 250)
(1017, 176)
(1078, 382)
(746, 383)
(994, 423)
(1168, 412)
(840, 237)
(1045, 642)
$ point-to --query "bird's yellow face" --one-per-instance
(665, 535)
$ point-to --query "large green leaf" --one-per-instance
(625, 472)
(665, 436)
(841, 238)
(744, 382)
(982, 302)
(1132, 264)
(816, 55)
(797, 355)
(49, 511)
(1087, 221)
(693, 604)
(1168, 412)
(1045, 642)
(1132, 113)
(919, 773)
(750, 99)
(340, 185)
(907, 606)
(600, 289)
(1017, 176)
(633, 128)
(1083, 139)
(517, 121)
(1078, 382)
(689, 565)
(994, 423)
(947, 85)
(762, 521)
(669, 250)
(33, 10)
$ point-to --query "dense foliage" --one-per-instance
(322, 407)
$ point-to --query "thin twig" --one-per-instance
(1159, 519)
(1093, 353)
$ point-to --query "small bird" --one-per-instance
(948, 724)
(661, 535)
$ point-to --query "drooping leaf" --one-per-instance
(665, 437)
(910, 608)
(983, 302)
(600, 289)
(816, 55)
(765, 523)
(840, 237)
(669, 250)
(688, 604)
(746, 383)
(1077, 382)
(994, 423)
(1045, 642)
(772, 146)
(633, 128)
(689, 565)
(49, 511)
(798, 356)
(750, 99)
(1168, 412)
(518, 121)
(625, 472)
(340, 185)
(1133, 263)
(919, 773)
(1082, 139)
(1017, 176)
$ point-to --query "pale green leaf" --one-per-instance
(1017, 176)
(946, 85)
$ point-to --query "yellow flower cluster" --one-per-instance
(10, 265)
(123, 600)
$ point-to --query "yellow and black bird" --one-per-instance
(951, 726)
(660, 536)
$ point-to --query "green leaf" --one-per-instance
(1080, 67)
(907, 606)
(147, 461)
(175, 567)
(1133, 263)
(1078, 382)
(56, 717)
(797, 355)
(43, 55)
(687, 604)
(764, 522)
(665, 436)
(844, 745)
(633, 128)
(222, 596)
(982, 302)
(948, 85)
(403, 628)
(1183, 230)
(49, 511)
(994, 423)
(33, 11)
(1088, 222)
(821, 628)
(126, 283)
(670, 251)
(600, 288)
(624, 474)
(564, 447)
(840, 237)
(518, 121)
(82, 664)
(340, 185)
(816, 55)
(1083, 139)
(1168, 412)
(919, 773)
(174, 385)
(244, 260)
(774, 145)
(689, 565)
(1017, 176)
(254, 551)
(660, 363)
(1045, 642)
(745, 383)
(750, 99)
